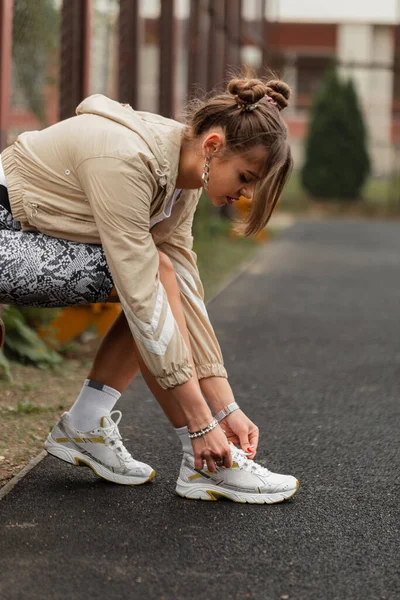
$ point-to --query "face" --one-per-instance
(232, 176)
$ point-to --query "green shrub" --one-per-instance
(23, 344)
(337, 164)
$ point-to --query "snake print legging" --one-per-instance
(41, 271)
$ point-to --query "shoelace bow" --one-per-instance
(239, 456)
(112, 437)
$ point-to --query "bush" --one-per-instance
(337, 163)
(23, 344)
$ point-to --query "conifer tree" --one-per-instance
(336, 163)
(358, 139)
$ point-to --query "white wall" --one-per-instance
(329, 11)
(366, 54)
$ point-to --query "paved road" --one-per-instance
(310, 334)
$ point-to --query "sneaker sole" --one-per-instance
(211, 493)
(81, 460)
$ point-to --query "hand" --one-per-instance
(213, 448)
(240, 430)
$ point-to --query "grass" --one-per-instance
(30, 405)
(380, 198)
(218, 257)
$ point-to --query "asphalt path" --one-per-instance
(310, 334)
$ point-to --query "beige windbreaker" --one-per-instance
(100, 177)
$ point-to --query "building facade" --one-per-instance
(154, 54)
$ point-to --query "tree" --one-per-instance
(337, 163)
(357, 134)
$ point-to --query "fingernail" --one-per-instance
(250, 449)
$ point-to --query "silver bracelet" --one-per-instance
(225, 412)
(210, 427)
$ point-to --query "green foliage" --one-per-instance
(39, 316)
(23, 344)
(26, 407)
(337, 163)
(359, 138)
(5, 372)
(208, 221)
(35, 39)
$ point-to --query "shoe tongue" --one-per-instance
(106, 421)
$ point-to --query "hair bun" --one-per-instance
(279, 91)
(247, 91)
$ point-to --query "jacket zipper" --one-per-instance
(35, 207)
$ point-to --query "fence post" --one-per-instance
(216, 43)
(129, 46)
(233, 33)
(198, 44)
(6, 15)
(167, 58)
(76, 23)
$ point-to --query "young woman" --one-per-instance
(100, 207)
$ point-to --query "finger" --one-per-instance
(245, 442)
(210, 463)
(228, 459)
(198, 462)
(254, 437)
(232, 437)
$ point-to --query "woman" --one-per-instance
(101, 207)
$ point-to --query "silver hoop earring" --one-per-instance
(206, 173)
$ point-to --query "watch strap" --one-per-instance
(226, 411)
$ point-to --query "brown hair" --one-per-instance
(246, 126)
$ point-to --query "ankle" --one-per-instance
(182, 433)
(94, 402)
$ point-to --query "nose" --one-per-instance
(247, 190)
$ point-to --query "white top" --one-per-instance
(2, 175)
(167, 212)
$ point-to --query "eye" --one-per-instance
(243, 178)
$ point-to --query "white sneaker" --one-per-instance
(245, 481)
(101, 449)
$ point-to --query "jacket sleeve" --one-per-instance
(206, 351)
(120, 197)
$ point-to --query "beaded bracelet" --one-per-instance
(210, 427)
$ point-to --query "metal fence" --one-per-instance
(152, 54)
(155, 54)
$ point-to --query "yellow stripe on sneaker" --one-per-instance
(98, 440)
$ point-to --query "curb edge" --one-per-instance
(14, 480)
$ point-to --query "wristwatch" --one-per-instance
(225, 412)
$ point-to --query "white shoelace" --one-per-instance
(239, 456)
(112, 438)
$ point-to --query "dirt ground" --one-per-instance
(32, 403)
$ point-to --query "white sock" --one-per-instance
(95, 401)
(182, 433)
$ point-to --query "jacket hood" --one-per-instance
(163, 136)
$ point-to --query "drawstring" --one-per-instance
(162, 176)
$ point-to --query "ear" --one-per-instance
(213, 142)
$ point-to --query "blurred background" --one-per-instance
(154, 54)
